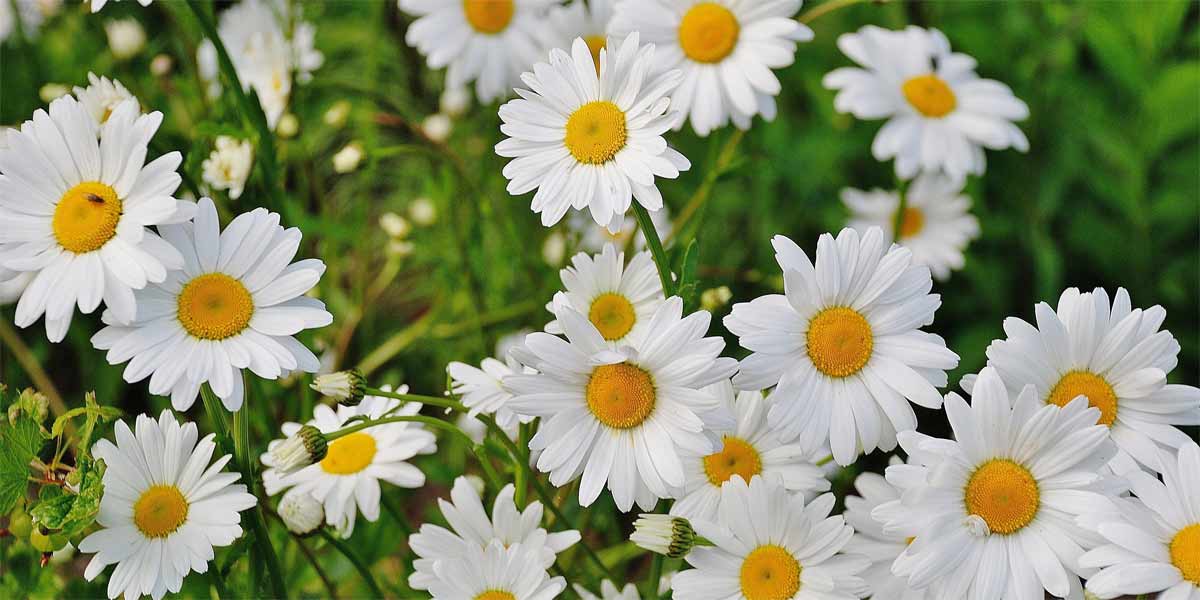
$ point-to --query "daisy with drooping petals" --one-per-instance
(993, 510)
(941, 115)
(621, 416)
(164, 507)
(771, 545)
(77, 204)
(1152, 544)
(102, 96)
(347, 479)
(1114, 355)
(619, 300)
(579, 20)
(495, 572)
(936, 225)
(749, 448)
(482, 389)
(489, 42)
(588, 141)
(843, 345)
(870, 539)
(609, 591)
(470, 527)
(726, 49)
(236, 304)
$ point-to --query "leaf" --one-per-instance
(93, 412)
(20, 441)
(69, 512)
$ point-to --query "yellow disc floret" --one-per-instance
(737, 457)
(496, 595)
(350, 454)
(1004, 494)
(215, 306)
(159, 511)
(596, 132)
(613, 315)
(1082, 383)
(770, 573)
(488, 16)
(708, 32)
(911, 223)
(595, 44)
(1185, 552)
(930, 95)
(86, 217)
(621, 396)
(839, 341)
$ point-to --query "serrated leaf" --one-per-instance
(71, 512)
(20, 442)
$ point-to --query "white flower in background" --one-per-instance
(31, 13)
(471, 528)
(579, 20)
(99, 4)
(337, 113)
(993, 510)
(1152, 544)
(161, 65)
(102, 96)
(940, 114)
(872, 541)
(348, 158)
(726, 49)
(300, 512)
(77, 206)
(936, 226)
(437, 127)
(621, 417)
(125, 37)
(749, 448)
(394, 225)
(454, 101)
(422, 211)
(488, 42)
(477, 430)
(495, 572)
(619, 300)
(588, 142)
(1113, 355)
(288, 126)
(609, 591)
(236, 304)
(12, 284)
(164, 507)
(347, 480)
(771, 544)
(52, 91)
(843, 344)
(228, 166)
(593, 237)
(483, 391)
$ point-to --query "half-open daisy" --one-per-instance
(236, 304)
(102, 96)
(870, 539)
(76, 200)
(588, 141)
(843, 345)
(993, 510)
(164, 507)
(622, 417)
(495, 572)
(936, 225)
(618, 299)
(470, 527)
(940, 114)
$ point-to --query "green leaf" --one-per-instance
(68, 512)
(92, 412)
(20, 441)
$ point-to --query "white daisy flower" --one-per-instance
(495, 572)
(164, 507)
(483, 391)
(843, 344)
(609, 591)
(770, 544)
(619, 300)
(347, 480)
(76, 207)
(470, 528)
(1152, 544)
(581, 20)
(727, 50)
(940, 114)
(1114, 355)
(622, 417)
(30, 12)
(593, 237)
(228, 166)
(749, 448)
(99, 4)
(872, 541)
(993, 510)
(936, 226)
(236, 304)
(591, 142)
(12, 284)
(102, 96)
(489, 42)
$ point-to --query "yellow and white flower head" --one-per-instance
(843, 344)
(495, 572)
(872, 541)
(727, 50)
(77, 206)
(593, 237)
(483, 391)
(96, 5)
(619, 300)
(1151, 544)
(164, 507)
(591, 142)
(993, 510)
(488, 42)
(750, 447)
(236, 304)
(347, 480)
(622, 417)
(1114, 355)
(102, 96)
(471, 528)
(609, 591)
(228, 166)
(771, 545)
(940, 114)
(936, 226)
(588, 20)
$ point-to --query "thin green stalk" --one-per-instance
(651, 585)
(824, 461)
(359, 565)
(825, 8)
(33, 368)
(898, 218)
(428, 400)
(720, 166)
(316, 565)
(518, 472)
(656, 248)
(430, 421)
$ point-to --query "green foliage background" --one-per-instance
(1109, 195)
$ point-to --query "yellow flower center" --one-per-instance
(159, 511)
(770, 573)
(350, 454)
(496, 595)
(613, 315)
(930, 95)
(86, 217)
(596, 132)
(1185, 552)
(708, 32)
(839, 341)
(215, 306)
(595, 44)
(911, 223)
(1004, 494)
(620, 396)
(738, 457)
(1082, 383)
(488, 16)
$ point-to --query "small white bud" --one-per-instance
(300, 512)
(348, 387)
(337, 114)
(288, 126)
(422, 211)
(437, 127)
(394, 225)
(305, 447)
(125, 37)
(714, 298)
(348, 158)
(161, 65)
(51, 91)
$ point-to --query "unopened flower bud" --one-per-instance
(300, 512)
(288, 126)
(664, 534)
(303, 448)
(348, 387)
(348, 158)
(437, 127)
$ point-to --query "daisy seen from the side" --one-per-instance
(870, 539)
(101, 96)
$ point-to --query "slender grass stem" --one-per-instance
(427, 400)
(651, 586)
(898, 218)
(825, 8)
(316, 565)
(430, 421)
(359, 565)
(33, 368)
(656, 248)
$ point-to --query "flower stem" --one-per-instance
(656, 248)
(652, 577)
(428, 400)
(825, 8)
(702, 194)
(430, 421)
(359, 565)
(898, 218)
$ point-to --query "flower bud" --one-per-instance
(664, 534)
(301, 513)
(303, 448)
(348, 387)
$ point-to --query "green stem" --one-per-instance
(656, 248)
(824, 461)
(430, 421)
(519, 474)
(428, 400)
(702, 194)
(33, 368)
(898, 218)
(359, 566)
(826, 8)
(652, 578)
